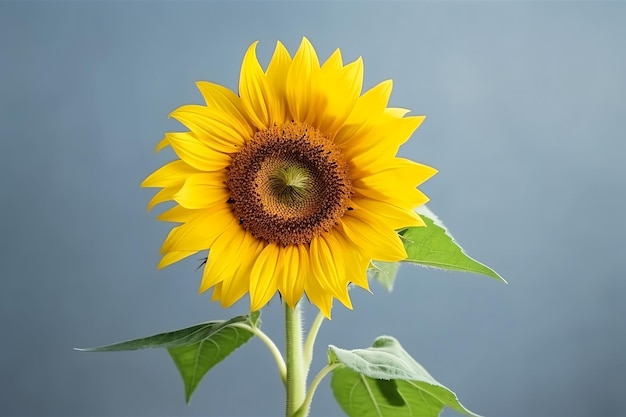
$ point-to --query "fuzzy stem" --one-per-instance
(303, 411)
(296, 372)
(310, 339)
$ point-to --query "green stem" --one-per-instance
(296, 372)
(306, 405)
(310, 339)
(280, 362)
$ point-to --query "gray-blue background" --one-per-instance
(526, 123)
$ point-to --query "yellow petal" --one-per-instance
(396, 113)
(212, 127)
(379, 244)
(162, 144)
(196, 153)
(165, 194)
(229, 263)
(399, 196)
(372, 102)
(303, 84)
(329, 268)
(291, 278)
(341, 89)
(174, 256)
(179, 214)
(240, 284)
(394, 216)
(337, 253)
(334, 62)
(356, 262)
(264, 277)
(217, 292)
(365, 113)
(394, 182)
(169, 175)
(228, 102)
(256, 95)
(220, 265)
(201, 191)
(201, 232)
(276, 77)
(383, 139)
(395, 169)
(318, 296)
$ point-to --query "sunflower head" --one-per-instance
(293, 185)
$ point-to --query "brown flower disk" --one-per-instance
(275, 210)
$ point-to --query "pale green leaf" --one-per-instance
(385, 381)
(182, 337)
(435, 247)
(384, 272)
(196, 349)
(194, 361)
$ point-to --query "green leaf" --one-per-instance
(182, 337)
(434, 246)
(385, 381)
(384, 272)
(195, 360)
(196, 349)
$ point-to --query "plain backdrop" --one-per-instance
(526, 124)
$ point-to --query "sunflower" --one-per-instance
(293, 185)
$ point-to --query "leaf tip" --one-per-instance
(491, 273)
(332, 356)
(188, 397)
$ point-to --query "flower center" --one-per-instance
(289, 184)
